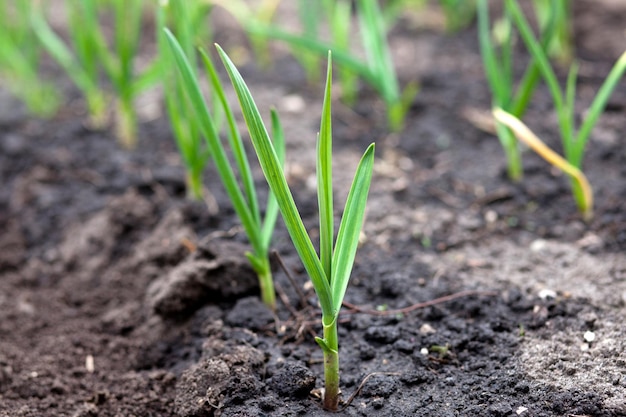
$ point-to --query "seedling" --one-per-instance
(498, 64)
(91, 53)
(248, 17)
(19, 59)
(310, 14)
(559, 12)
(524, 134)
(245, 203)
(330, 271)
(82, 68)
(338, 15)
(184, 18)
(377, 70)
(573, 142)
(459, 13)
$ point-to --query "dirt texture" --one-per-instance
(470, 296)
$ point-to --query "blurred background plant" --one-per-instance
(574, 141)
(459, 13)
(187, 21)
(497, 50)
(558, 13)
(88, 55)
(377, 69)
(99, 51)
(250, 15)
(20, 54)
(244, 196)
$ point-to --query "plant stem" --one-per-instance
(126, 123)
(513, 156)
(97, 108)
(331, 366)
(266, 282)
(194, 184)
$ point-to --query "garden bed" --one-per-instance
(120, 297)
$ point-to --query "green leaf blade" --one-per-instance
(597, 107)
(234, 138)
(275, 177)
(490, 62)
(271, 209)
(350, 227)
(325, 177)
(213, 142)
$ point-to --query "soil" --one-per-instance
(119, 297)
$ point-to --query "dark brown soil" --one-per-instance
(118, 297)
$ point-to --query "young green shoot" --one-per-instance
(560, 45)
(258, 230)
(310, 14)
(19, 59)
(338, 15)
(261, 14)
(459, 13)
(82, 68)
(90, 53)
(330, 271)
(524, 134)
(182, 16)
(498, 66)
(377, 69)
(119, 65)
(574, 141)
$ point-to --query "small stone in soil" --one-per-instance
(589, 336)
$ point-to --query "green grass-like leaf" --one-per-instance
(329, 272)
(271, 166)
(258, 230)
(325, 179)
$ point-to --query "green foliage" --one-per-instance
(185, 19)
(574, 142)
(560, 44)
(249, 16)
(498, 57)
(377, 70)
(330, 271)
(19, 59)
(459, 13)
(82, 68)
(89, 54)
(245, 203)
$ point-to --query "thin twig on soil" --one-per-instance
(356, 309)
(290, 278)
